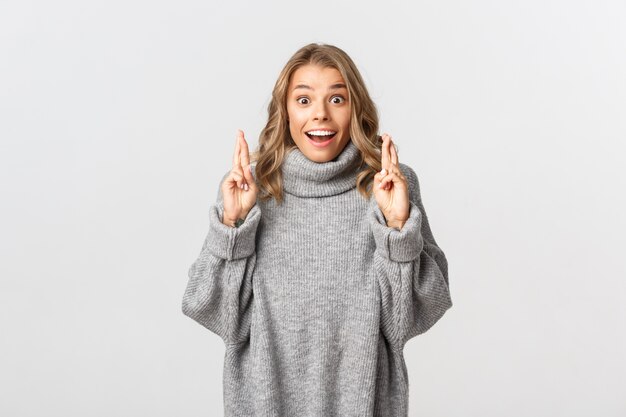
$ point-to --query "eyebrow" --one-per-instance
(332, 87)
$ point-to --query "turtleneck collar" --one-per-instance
(305, 178)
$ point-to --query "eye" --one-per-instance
(342, 100)
(299, 100)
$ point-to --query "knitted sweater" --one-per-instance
(316, 298)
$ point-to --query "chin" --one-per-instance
(321, 158)
(321, 154)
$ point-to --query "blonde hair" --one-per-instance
(275, 140)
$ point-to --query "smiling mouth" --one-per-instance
(320, 138)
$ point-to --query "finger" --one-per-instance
(379, 176)
(245, 161)
(384, 180)
(237, 151)
(244, 151)
(394, 154)
(236, 174)
(390, 179)
(384, 158)
(235, 179)
(241, 182)
(242, 157)
(249, 179)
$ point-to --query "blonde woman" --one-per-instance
(319, 263)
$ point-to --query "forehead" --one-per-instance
(315, 76)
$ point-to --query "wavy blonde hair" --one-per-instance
(275, 140)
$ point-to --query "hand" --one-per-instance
(239, 189)
(390, 186)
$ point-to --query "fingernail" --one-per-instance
(383, 171)
(380, 185)
(246, 187)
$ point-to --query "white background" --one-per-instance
(118, 118)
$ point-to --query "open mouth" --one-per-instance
(321, 136)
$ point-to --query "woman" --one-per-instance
(315, 286)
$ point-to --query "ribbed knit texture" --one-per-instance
(315, 298)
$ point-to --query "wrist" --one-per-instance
(234, 222)
(396, 225)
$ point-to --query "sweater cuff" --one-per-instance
(404, 245)
(228, 242)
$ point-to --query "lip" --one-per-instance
(320, 144)
(321, 128)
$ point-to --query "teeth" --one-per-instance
(321, 132)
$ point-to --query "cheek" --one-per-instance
(296, 117)
(346, 119)
(292, 123)
(290, 112)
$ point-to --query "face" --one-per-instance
(319, 112)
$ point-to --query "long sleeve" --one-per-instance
(412, 271)
(219, 292)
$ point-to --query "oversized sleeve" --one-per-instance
(219, 292)
(411, 269)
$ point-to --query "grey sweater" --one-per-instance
(316, 298)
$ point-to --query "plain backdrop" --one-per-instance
(118, 118)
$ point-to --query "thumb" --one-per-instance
(379, 176)
(248, 175)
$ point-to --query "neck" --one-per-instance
(305, 178)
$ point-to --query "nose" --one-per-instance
(320, 112)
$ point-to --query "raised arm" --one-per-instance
(219, 292)
(412, 270)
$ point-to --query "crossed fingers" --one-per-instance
(241, 160)
(389, 162)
